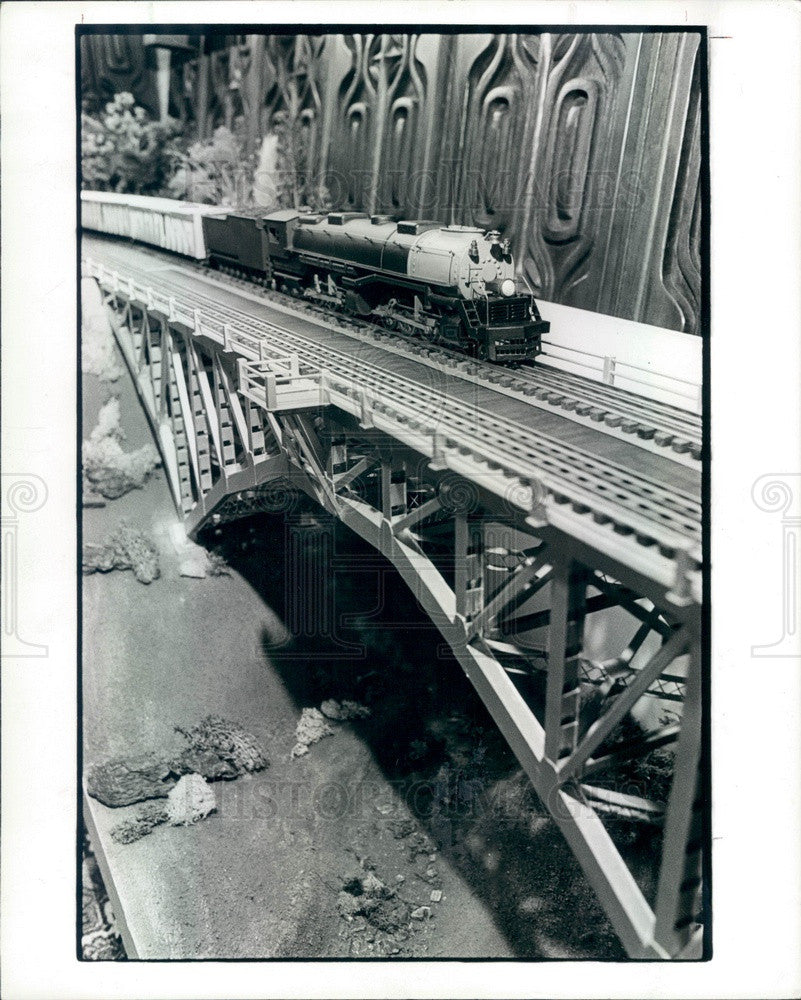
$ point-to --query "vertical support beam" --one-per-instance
(185, 410)
(255, 429)
(393, 487)
(678, 895)
(235, 410)
(337, 461)
(565, 640)
(200, 425)
(200, 379)
(163, 418)
(386, 481)
(474, 592)
(137, 320)
(127, 314)
(156, 372)
(179, 435)
(144, 355)
(224, 421)
(460, 543)
(164, 377)
(398, 503)
(468, 567)
(144, 335)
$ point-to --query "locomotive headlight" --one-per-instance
(507, 287)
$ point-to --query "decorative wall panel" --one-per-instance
(489, 154)
(291, 91)
(113, 63)
(583, 148)
(378, 134)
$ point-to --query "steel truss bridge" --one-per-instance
(245, 396)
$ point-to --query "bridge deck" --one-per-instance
(213, 298)
(212, 295)
(638, 507)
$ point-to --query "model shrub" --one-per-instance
(215, 171)
(124, 150)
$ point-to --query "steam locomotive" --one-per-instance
(449, 285)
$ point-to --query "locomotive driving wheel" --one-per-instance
(388, 319)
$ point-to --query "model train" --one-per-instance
(449, 285)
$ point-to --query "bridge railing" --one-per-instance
(268, 376)
(230, 339)
(614, 371)
(280, 383)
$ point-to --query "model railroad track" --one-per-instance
(668, 426)
(655, 426)
(630, 505)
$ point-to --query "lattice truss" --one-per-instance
(510, 595)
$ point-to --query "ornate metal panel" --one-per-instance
(291, 93)
(570, 149)
(681, 260)
(650, 267)
(380, 142)
(113, 63)
(585, 149)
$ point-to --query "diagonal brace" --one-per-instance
(353, 472)
(416, 515)
(598, 732)
(512, 589)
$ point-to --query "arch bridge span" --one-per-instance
(509, 536)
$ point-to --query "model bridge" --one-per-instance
(537, 478)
